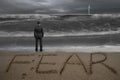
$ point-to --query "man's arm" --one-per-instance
(35, 34)
(42, 31)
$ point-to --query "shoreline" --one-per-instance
(86, 49)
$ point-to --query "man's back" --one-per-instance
(38, 32)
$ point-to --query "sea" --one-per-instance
(92, 35)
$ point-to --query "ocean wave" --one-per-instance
(13, 21)
(56, 34)
(104, 48)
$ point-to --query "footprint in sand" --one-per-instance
(33, 60)
(32, 68)
(39, 55)
(24, 75)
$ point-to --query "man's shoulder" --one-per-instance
(38, 29)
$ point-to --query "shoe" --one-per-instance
(41, 50)
(36, 50)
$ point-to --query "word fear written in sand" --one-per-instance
(40, 61)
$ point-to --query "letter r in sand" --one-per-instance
(92, 62)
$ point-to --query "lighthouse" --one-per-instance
(89, 8)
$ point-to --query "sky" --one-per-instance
(58, 6)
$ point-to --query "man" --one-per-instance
(38, 34)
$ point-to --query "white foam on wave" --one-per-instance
(56, 34)
(16, 34)
(13, 21)
(105, 48)
(9, 21)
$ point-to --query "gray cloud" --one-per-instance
(59, 6)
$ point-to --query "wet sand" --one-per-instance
(59, 66)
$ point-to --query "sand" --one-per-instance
(59, 66)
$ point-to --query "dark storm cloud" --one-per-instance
(106, 6)
(59, 6)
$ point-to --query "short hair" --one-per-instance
(38, 22)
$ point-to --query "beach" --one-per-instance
(91, 35)
(72, 50)
(59, 66)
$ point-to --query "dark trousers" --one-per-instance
(38, 42)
